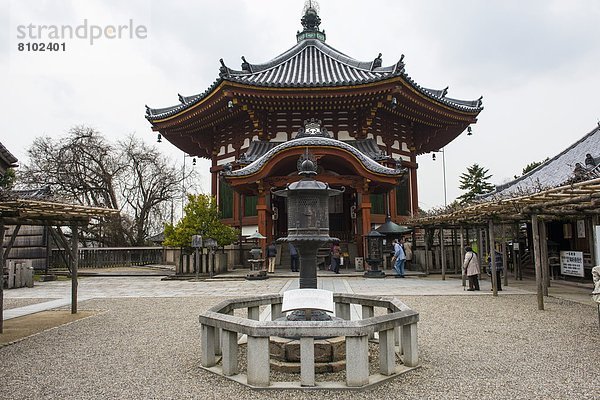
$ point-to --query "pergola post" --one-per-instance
(593, 239)
(537, 257)
(462, 255)
(544, 257)
(504, 255)
(1, 275)
(517, 257)
(493, 259)
(455, 254)
(443, 253)
(426, 252)
(480, 248)
(74, 265)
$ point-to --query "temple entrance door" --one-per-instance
(340, 221)
(280, 226)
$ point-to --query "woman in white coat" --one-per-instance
(471, 268)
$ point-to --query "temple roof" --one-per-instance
(260, 147)
(312, 63)
(7, 160)
(557, 171)
(309, 141)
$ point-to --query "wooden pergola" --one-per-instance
(576, 200)
(54, 215)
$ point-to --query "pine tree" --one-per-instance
(474, 181)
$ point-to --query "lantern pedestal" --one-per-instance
(376, 273)
(375, 253)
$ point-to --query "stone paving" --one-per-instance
(141, 286)
(143, 342)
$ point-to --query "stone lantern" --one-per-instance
(308, 218)
(374, 254)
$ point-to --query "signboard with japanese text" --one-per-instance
(571, 263)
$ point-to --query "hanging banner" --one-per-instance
(571, 263)
(580, 229)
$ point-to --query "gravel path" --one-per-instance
(10, 303)
(471, 347)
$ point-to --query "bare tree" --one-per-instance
(129, 176)
(150, 183)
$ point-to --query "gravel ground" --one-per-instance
(471, 347)
(10, 303)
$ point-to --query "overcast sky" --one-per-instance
(535, 62)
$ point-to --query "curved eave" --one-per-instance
(257, 168)
(167, 114)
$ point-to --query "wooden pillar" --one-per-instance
(74, 266)
(365, 213)
(391, 202)
(544, 257)
(493, 258)
(261, 208)
(2, 263)
(462, 255)
(480, 249)
(537, 257)
(517, 257)
(414, 206)
(443, 254)
(593, 239)
(504, 255)
(426, 236)
(455, 253)
(237, 215)
(214, 175)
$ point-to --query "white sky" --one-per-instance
(535, 62)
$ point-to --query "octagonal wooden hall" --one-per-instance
(365, 123)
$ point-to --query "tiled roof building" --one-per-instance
(363, 121)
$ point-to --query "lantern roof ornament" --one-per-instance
(310, 22)
(307, 165)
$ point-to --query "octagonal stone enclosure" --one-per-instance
(395, 332)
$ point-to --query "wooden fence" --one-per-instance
(102, 257)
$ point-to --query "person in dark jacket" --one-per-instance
(271, 255)
(293, 257)
(335, 257)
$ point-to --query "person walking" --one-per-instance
(498, 263)
(407, 247)
(335, 257)
(399, 258)
(293, 257)
(471, 268)
(271, 255)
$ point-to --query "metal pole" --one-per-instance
(493, 259)
(537, 257)
(74, 266)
